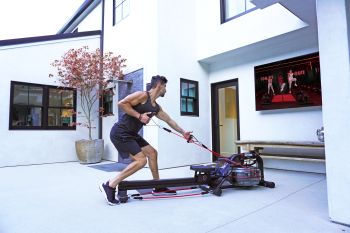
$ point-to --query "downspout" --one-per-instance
(100, 121)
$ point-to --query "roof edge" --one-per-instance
(48, 38)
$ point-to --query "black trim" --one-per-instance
(223, 12)
(100, 121)
(215, 112)
(113, 23)
(45, 106)
(195, 99)
(36, 39)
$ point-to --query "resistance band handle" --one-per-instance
(168, 130)
(189, 138)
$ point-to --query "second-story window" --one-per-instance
(231, 9)
(121, 9)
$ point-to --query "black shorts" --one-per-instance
(127, 143)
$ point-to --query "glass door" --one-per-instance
(225, 117)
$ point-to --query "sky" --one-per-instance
(28, 18)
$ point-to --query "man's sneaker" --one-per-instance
(163, 191)
(108, 193)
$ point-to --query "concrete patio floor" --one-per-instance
(64, 198)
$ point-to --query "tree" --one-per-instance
(89, 72)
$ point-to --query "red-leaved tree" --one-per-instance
(89, 72)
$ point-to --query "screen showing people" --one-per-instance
(290, 83)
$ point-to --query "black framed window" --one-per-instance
(121, 9)
(231, 9)
(108, 102)
(189, 97)
(36, 106)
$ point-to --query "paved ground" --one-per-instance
(64, 198)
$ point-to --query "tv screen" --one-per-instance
(291, 83)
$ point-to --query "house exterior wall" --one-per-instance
(144, 39)
(134, 38)
(334, 60)
(214, 38)
(289, 125)
(30, 63)
(156, 38)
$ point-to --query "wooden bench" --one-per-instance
(248, 145)
(297, 158)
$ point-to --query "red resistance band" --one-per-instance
(190, 140)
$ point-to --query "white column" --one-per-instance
(335, 76)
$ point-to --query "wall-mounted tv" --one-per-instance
(291, 83)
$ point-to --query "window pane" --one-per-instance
(184, 89)
(20, 94)
(54, 117)
(35, 95)
(19, 115)
(234, 7)
(34, 117)
(190, 105)
(67, 98)
(66, 117)
(108, 102)
(54, 97)
(183, 105)
(192, 90)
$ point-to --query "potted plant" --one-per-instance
(89, 72)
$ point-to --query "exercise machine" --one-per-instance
(238, 170)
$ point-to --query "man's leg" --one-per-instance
(152, 156)
(139, 161)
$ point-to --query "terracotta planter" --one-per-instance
(89, 151)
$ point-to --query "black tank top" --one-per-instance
(133, 125)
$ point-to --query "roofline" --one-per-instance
(48, 38)
(79, 15)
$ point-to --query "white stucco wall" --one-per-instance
(134, 38)
(261, 24)
(334, 58)
(177, 59)
(155, 38)
(31, 63)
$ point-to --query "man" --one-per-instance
(139, 108)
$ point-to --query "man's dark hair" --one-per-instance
(156, 79)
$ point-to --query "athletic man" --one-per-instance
(139, 108)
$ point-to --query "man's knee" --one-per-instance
(142, 161)
(153, 154)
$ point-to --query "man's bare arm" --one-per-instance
(131, 100)
(166, 118)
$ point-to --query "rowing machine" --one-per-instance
(238, 170)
